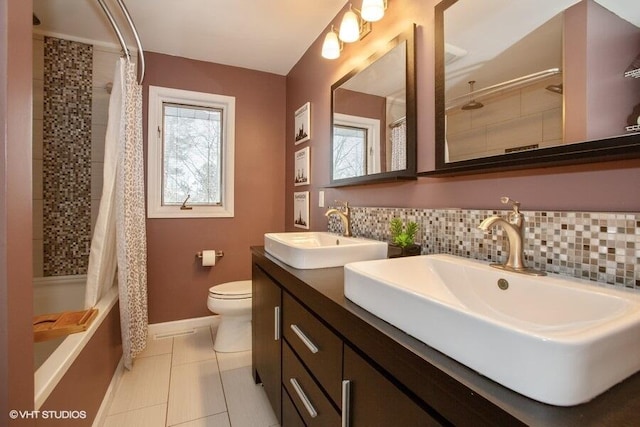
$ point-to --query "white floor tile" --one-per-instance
(156, 347)
(152, 416)
(195, 392)
(193, 347)
(247, 402)
(220, 420)
(230, 361)
(147, 384)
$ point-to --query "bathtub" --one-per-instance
(53, 358)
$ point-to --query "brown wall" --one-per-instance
(16, 293)
(177, 285)
(599, 47)
(364, 105)
(84, 385)
(597, 187)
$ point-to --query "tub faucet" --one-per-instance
(345, 216)
(514, 226)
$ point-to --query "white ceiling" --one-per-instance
(265, 35)
(517, 38)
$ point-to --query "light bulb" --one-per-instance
(331, 45)
(350, 27)
(372, 10)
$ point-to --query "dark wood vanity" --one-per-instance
(312, 344)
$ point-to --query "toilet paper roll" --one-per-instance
(209, 258)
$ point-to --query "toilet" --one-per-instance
(232, 301)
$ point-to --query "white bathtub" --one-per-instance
(53, 358)
(53, 295)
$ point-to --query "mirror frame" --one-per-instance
(410, 75)
(614, 148)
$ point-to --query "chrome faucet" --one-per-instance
(514, 226)
(345, 217)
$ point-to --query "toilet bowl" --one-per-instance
(232, 301)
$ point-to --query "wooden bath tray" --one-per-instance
(49, 326)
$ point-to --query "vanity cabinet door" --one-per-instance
(266, 337)
(372, 400)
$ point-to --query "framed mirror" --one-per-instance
(373, 118)
(524, 84)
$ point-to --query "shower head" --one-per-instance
(472, 104)
(555, 88)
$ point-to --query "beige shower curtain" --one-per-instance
(131, 240)
(399, 146)
(119, 237)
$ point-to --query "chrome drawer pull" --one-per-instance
(276, 325)
(310, 345)
(303, 397)
(346, 397)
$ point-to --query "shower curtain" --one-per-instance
(120, 236)
(399, 146)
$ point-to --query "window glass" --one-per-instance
(192, 155)
(191, 146)
(349, 151)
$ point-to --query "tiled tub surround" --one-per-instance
(67, 156)
(102, 63)
(602, 247)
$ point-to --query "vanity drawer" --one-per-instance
(312, 404)
(318, 348)
(290, 415)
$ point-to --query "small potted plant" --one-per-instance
(403, 239)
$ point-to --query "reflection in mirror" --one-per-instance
(373, 118)
(531, 69)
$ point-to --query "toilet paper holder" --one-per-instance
(219, 254)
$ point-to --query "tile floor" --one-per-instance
(181, 381)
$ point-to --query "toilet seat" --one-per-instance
(232, 290)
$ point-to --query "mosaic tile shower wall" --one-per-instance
(67, 156)
(603, 247)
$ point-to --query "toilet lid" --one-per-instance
(231, 290)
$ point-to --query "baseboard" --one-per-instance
(180, 327)
(98, 421)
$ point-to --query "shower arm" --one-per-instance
(120, 37)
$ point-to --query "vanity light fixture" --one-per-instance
(354, 26)
(373, 10)
(332, 46)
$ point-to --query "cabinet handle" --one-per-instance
(310, 345)
(346, 399)
(276, 323)
(303, 397)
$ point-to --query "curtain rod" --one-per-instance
(398, 122)
(116, 29)
(509, 84)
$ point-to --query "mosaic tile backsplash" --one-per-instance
(67, 156)
(602, 247)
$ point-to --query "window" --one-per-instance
(191, 154)
(356, 146)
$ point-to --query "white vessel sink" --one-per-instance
(307, 250)
(559, 341)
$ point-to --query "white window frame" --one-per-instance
(373, 136)
(159, 96)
